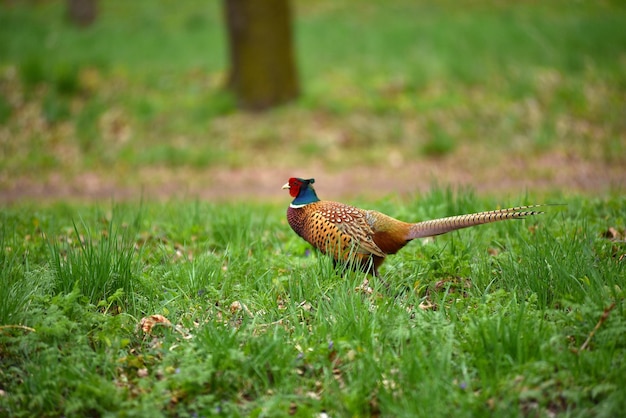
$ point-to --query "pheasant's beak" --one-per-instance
(286, 186)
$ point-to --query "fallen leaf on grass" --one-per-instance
(426, 305)
(237, 306)
(613, 234)
(148, 322)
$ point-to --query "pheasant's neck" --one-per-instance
(305, 197)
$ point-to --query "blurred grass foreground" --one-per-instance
(493, 94)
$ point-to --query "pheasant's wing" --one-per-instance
(362, 235)
(351, 227)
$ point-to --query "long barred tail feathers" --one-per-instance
(452, 223)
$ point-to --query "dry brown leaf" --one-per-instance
(613, 234)
(148, 322)
(426, 305)
(237, 306)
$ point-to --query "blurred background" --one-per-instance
(222, 100)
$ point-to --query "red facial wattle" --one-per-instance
(294, 187)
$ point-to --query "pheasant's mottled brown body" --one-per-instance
(367, 236)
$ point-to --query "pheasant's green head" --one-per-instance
(302, 191)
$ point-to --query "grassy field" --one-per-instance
(523, 318)
(190, 307)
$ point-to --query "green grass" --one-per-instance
(485, 321)
(412, 78)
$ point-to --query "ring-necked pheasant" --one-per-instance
(366, 237)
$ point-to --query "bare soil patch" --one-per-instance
(509, 176)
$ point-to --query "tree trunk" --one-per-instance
(82, 12)
(262, 67)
